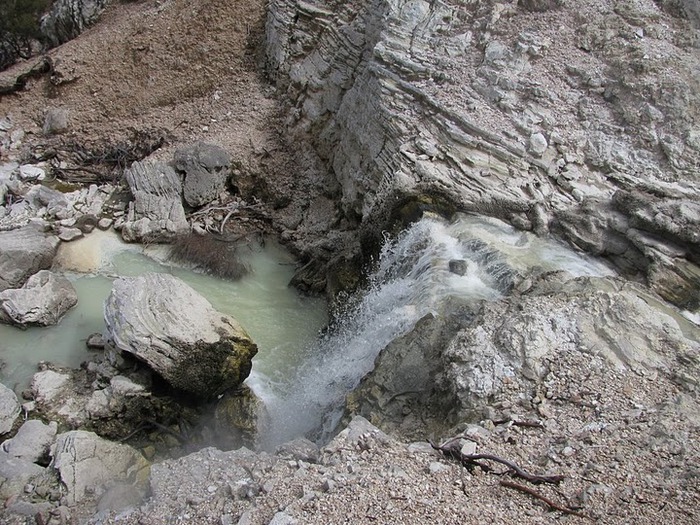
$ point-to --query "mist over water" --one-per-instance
(412, 278)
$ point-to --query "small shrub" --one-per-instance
(19, 27)
(211, 254)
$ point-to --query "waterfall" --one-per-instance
(471, 257)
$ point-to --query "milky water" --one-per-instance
(278, 318)
(412, 279)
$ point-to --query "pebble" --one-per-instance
(69, 234)
(436, 467)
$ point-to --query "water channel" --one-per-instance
(302, 376)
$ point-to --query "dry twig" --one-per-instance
(451, 448)
(535, 494)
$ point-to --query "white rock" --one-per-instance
(86, 463)
(43, 300)
(538, 144)
(47, 384)
(9, 409)
(69, 234)
(165, 323)
(32, 441)
(29, 172)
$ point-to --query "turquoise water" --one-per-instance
(280, 320)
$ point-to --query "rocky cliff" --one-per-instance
(577, 118)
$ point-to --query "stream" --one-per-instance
(303, 373)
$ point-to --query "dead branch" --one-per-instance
(451, 448)
(535, 494)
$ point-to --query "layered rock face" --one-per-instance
(68, 18)
(166, 324)
(569, 117)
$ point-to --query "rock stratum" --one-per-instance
(571, 117)
(163, 322)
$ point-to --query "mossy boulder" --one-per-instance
(166, 324)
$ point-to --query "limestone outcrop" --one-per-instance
(43, 300)
(9, 409)
(68, 18)
(545, 114)
(32, 441)
(156, 213)
(87, 464)
(163, 322)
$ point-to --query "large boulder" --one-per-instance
(43, 300)
(156, 213)
(470, 358)
(15, 473)
(166, 324)
(32, 441)
(9, 409)
(206, 168)
(23, 252)
(87, 464)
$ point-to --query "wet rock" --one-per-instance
(206, 168)
(42, 301)
(86, 463)
(458, 366)
(32, 441)
(156, 213)
(458, 266)
(23, 252)
(95, 342)
(242, 418)
(9, 409)
(166, 324)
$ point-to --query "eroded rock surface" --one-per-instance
(85, 462)
(9, 409)
(474, 358)
(156, 213)
(23, 252)
(68, 18)
(43, 300)
(32, 441)
(166, 324)
(207, 168)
